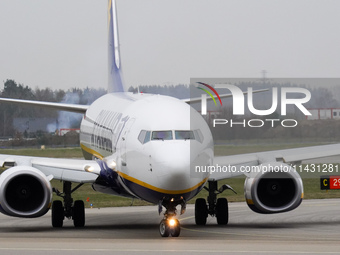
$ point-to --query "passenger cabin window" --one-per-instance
(162, 135)
(184, 135)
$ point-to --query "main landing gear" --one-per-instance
(68, 209)
(215, 207)
(169, 225)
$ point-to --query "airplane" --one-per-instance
(146, 146)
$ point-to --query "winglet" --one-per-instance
(115, 81)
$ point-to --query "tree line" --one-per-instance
(12, 89)
(322, 97)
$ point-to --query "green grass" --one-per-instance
(311, 182)
(311, 190)
(224, 150)
(97, 199)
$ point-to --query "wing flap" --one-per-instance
(311, 153)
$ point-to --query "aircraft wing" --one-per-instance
(288, 156)
(57, 106)
(73, 170)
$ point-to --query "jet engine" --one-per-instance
(273, 188)
(24, 192)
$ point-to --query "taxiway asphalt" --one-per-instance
(313, 228)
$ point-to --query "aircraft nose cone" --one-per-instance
(172, 156)
(174, 163)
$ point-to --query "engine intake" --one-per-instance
(24, 192)
(278, 190)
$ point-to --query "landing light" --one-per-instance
(91, 169)
(172, 222)
(88, 168)
(111, 164)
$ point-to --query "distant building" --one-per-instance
(49, 125)
(324, 113)
(64, 131)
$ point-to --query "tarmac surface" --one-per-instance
(313, 228)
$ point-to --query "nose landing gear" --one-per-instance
(169, 225)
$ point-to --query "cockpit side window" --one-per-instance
(141, 136)
(161, 135)
(147, 137)
(184, 135)
(198, 135)
(144, 136)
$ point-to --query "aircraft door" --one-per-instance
(124, 142)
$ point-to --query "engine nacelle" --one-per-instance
(274, 188)
(24, 192)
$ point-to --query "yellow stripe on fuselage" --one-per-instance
(92, 152)
(172, 192)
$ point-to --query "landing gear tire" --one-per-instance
(78, 214)
(175, 230)
(201, 211)
(164, 229)
(222, 212)
(57, 214)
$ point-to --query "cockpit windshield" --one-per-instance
(184, 135)
(162, 135)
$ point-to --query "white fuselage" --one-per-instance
(155, 140)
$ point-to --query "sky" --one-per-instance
(63, 43)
